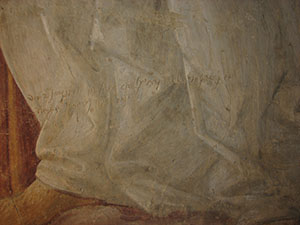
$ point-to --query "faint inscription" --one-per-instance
(67, 99)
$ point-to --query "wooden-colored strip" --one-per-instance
(5, 189)
(23, 129)
(14, 147)
(19, 130)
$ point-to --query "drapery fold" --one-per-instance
(162, 106)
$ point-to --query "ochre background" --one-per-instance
(18, 134)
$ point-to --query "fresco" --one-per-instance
(150, 112)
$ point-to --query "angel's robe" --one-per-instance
(164, 105)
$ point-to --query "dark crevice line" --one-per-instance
(277, 88)
(17, 210)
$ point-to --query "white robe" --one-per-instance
(164, 105)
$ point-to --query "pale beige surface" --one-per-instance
(164, 105)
